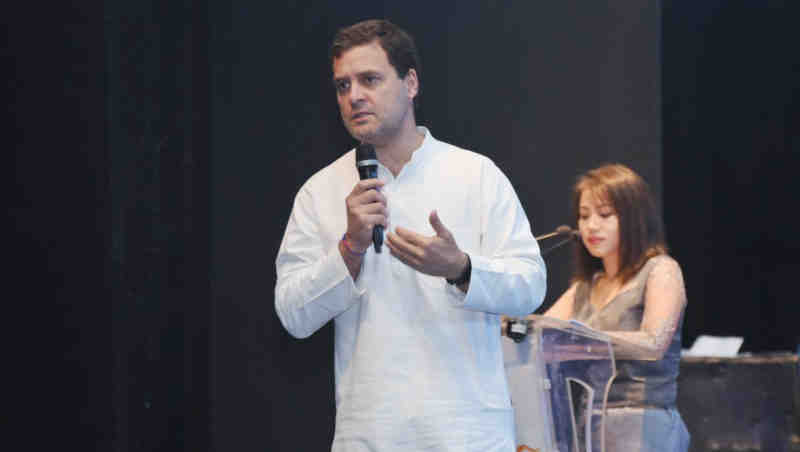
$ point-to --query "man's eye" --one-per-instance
(342, 87)
(370, 80)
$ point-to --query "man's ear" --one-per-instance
(412, 83)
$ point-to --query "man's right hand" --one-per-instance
(366, 207)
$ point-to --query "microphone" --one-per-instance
(571, 234)
(561, 230)
(367, 165)
(517, 328)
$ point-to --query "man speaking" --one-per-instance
(416, 305)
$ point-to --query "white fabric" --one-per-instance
(418, 363)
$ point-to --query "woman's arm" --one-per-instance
(562, 308)
(664, 301)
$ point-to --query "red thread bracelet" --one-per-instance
(349, 249)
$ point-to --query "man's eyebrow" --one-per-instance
(337, 80)
(358, 75)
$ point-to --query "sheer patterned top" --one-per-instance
(647, 310)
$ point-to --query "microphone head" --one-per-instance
(366, 161)
(564, 229)
(365, 151)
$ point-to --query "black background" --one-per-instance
(158, 147)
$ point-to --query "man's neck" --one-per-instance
(396, 153)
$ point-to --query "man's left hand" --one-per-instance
(436, 255)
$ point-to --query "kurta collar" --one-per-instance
(427, 146)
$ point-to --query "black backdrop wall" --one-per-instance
(158, 147)
(731, 84)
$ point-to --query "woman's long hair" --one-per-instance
(641, 230)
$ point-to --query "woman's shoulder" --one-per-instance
(662, 259)
(662, 266)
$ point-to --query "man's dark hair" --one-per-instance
(396, 42)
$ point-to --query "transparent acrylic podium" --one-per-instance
(559, 376)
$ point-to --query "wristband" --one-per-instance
(349, 248)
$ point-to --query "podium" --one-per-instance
(559, 374)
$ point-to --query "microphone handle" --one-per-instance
(557, 245)
(548, 235)
(377, 237)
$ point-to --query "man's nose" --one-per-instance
(356, 94)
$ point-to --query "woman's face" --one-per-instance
(599, 225)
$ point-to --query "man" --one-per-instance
(418, 360)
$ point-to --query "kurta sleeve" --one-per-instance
(313, 283)
(508, 272)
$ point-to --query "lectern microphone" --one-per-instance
(561, 230)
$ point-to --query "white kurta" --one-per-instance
(418, 363)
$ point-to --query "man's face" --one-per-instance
(375, 103)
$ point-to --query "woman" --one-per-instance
(627, 286)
